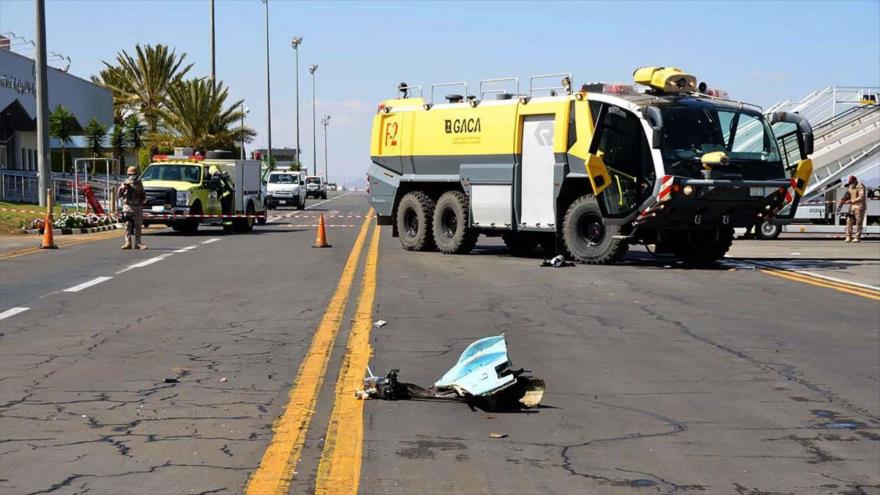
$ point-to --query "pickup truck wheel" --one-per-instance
(415, 213)
(451, 231)
(587, 238)
(191, 226)
(768, 231)
(245, 224)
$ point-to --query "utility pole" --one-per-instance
(44, 165)
(268, 92)
(213, 48)
(244, 113)
(297, 40)
(325, 122)
(312, 69)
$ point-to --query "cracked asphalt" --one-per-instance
(167, 378)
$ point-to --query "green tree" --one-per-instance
(118, 143)
(142, 81)
(198, 117)
(122, 102)
(134, 132)
(95, 135)
(62, 125)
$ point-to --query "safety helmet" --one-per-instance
(132, 170)
(213, 169)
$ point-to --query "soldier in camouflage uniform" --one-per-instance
(132, 195)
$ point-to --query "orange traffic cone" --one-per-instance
(48, 237)
(321, 238)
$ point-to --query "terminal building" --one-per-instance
(18, 108)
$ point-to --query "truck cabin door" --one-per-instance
(621, 143)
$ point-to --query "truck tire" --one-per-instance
(520, 243)
(263, 218)
(415, 213)
(191, 226)
(300, 203)
(245, 224)
(450, 223)
(586, 236)
(704, 246)
(767, 231)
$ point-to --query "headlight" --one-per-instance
(182, 198)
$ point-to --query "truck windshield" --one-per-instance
(180, 173)
(283, 179)
(689, 131)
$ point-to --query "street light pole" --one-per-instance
(295, 44)
(213, 46)
(325, 122)
(268, 92)
(244, 113)
(312, 69)
(44, 166)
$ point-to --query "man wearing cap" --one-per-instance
(857, 199)
(132, 195)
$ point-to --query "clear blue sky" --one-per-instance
(759, 52)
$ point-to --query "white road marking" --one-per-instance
(144, 263)
(86, 285)
(183, 250)
(12, 312)
(328, 200)
(209, 241)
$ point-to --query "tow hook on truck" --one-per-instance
(586, 172)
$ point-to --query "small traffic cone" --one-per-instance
(48, 236)
(321, 238)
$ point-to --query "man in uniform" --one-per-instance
(132, 195)
(857, 199)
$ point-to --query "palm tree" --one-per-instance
(198, 117)
(110, 79)
(95, 134)
(142, 81)
(62, 125)
(118, 142)
(134, 131)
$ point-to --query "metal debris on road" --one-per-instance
(482, 377)
(497, 435)
(172, 380)
(224, 379)
(379, 323)
(556, 262)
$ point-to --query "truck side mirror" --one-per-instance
(804, 130)
(655, 119)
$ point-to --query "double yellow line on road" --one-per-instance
(823, 282)
(341, 458)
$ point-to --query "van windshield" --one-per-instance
(171, 172)
(313, 180)
(283, 179)
(690, 131)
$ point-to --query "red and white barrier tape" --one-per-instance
(150, 214)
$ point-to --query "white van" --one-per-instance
(286, 188)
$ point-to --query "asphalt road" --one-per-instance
(229, 366)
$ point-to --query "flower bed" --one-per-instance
(74, 221)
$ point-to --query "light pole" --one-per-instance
(295, 42)
(268, 92)
(244, 113)
(213, 46)
(312, 69)
(325, 122)
(44, 166)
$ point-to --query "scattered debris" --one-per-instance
(379, 323)
(557, 262)
(224, 379)
(731, 269)
(172, 380)
(497, 435)
(483, 377)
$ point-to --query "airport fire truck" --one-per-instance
(186, 190)
(588, 171)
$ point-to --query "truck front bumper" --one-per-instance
(167, 216)
(685, 203)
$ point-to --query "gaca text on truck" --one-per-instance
(585, 172)
(185, 191)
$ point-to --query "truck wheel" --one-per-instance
(263, 218)
(704, 246)
(191, 226)
(520, 243)
(245, 224)
(300, 204)
(768, 231)
(587, 238)
(451, 231)
(414, 215)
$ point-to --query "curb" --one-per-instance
(88, 230)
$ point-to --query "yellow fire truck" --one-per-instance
(585, 171)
